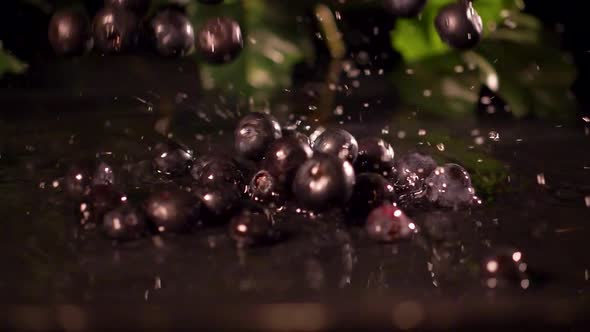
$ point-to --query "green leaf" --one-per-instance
(417, 39)
(274, 43)
(9, 63)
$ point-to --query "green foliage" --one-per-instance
(417, 39)
(9, 63)
(522, 60)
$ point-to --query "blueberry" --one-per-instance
(173, 33)
(124, 223)
(138, 7)
(219, 202)
(404, 8)
(388, 223)
(459, 25)
(220, 40)
(78, 181)
(265, 188)
(375, 156)
(505, 268)
(172, 159)
(69, 33)
(283, 158)
(252, 225)
(211, 171)
(103, 174)
(115, 30)
(304, 139)
(172, 210)
(450, 186)
(323, 181)
(370, 191)
(99, 201)
(254, 133)
(412, 169)
(81, 177)
(337, 142)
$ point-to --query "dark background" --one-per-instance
(23, 31)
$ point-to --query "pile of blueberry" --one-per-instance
(122, 26)
(272, 169)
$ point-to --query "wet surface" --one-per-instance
(536, 194)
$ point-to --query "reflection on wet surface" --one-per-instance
(533, 178)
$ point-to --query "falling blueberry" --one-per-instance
(459, 25)
(283, 158)
(69, 33)
(220, 40)
(138, 7)
(388, 223)
(254, 133)
(172, 210)
(370, 191)
(337, 142)
(375, 156)
(173, 33)
(124, 223)
(404, 8)
(252, 225)
(324, 181)
(115, 30)
(172, 159)
(450, 186)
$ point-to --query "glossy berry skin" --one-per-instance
(450, 186)
(404, 8)
(173, 33)
(337, 142)
(459, 25)
(69, 33)
(304, 139)
(218, 203)
(412, 169)
(324, 181)
(172, 159)
(252, 225)
(370, 191)
(253, 135)
(212, 171)
(124, 223)
(283, 158)
(265, 188)
(80, 178)
(505, 268)
(115, 30)
(171, 210)
(138, 7)
(99, 201)
(388, 223)
(220, 40)
(375, 156)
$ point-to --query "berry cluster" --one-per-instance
(122, 26)
(273, 169)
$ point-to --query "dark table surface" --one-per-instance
(325, 275)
